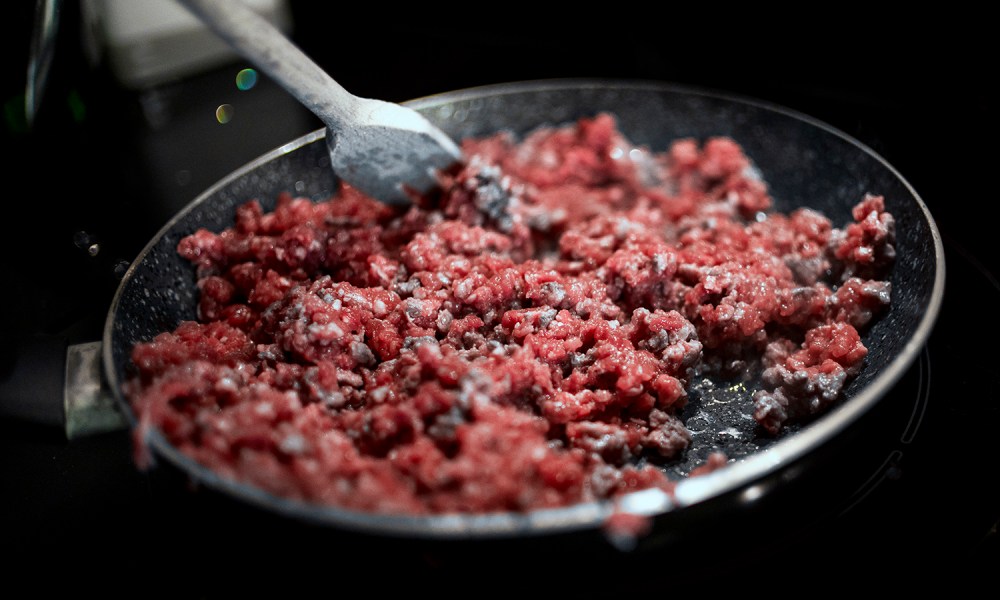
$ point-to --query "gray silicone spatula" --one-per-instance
(381, 148)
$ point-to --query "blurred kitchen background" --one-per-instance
(142, 109)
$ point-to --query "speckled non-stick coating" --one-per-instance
(805, 163)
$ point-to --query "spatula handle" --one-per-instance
(264, 45)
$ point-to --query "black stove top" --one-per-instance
(912, 494)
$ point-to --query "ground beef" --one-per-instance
(522, 338)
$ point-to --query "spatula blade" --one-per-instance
(391, 152)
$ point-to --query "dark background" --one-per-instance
(108, 165)
(111, 162)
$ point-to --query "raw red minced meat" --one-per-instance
(520, 339)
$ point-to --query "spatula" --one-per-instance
(383, 149)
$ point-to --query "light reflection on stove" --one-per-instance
(891, 467)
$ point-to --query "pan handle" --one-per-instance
(89, 406)
(59, 385)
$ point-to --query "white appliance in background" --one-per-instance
(150, 42)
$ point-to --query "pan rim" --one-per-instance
(732, 477)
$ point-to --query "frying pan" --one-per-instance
(805, 162)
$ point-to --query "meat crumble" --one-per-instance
(522, 338)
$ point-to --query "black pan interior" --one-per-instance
(805, 163)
